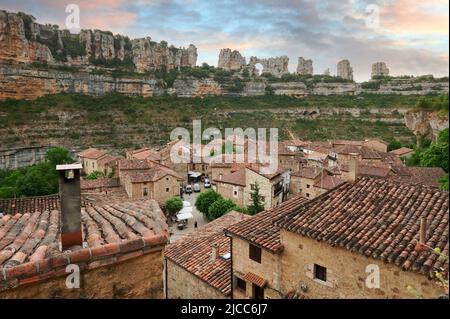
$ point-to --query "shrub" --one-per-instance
(205, 200)
(219, 208)
(174, 205)
(95, 175)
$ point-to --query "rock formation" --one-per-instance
(304, 66)
(379, 69)
(24, 40)
(276, 66)
(344, 70)
(231, 60)
(425, 124)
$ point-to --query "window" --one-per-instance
(235, 191)
(320, 272)
(93, 165)
(167, 178)
(308, 186)
(258, 292)
(307, 195)
(255, 253)
(252, 187)
(241, 284)
(145, 193)
(167, 189)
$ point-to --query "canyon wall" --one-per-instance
(425, 124)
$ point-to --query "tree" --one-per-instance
(437, 154)
(256, 205)
(219, 208)
(205, 200)
(57, 156)
(393, 145)
(444, 182)
(174, 205)
(95, 175)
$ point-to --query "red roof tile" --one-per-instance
(193, 252)
(417, 175)
(260, 230)
(379, 219)
(235, 178)
(99, 183)
(402, 151)
(255, 279)
(92, 153)
(29, 204)
(308, 172)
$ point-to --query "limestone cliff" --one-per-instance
(22, 40)
(231, 60)
(425, 124)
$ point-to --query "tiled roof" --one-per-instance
(257, 168)
(146, 153)
(99, 183)
(308, 172)
(30, 243)
(417, 175)
(329, 182)
(193, 252)
(133, 164)
(92, 153)
(401, 151)
(255, 279)
(370, 170)
(235, 178)
(379, 219)
(108, 158)
(151, 175)
(260, 230)
(28, 204)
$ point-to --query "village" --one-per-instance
(331, 209)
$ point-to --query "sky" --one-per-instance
(411, 36)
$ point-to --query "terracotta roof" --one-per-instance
(92, 153)
(260, 230)
(377, 218)
(28, 204)
(146, 153)
(133, 164)
(108, 158)
(150, 175)
(30, 243)
(255, 279)
(295, 295)
(308, 172)
(328, 182)
(370, 170)
(99, 183)
(417, 175)
(235, 178)
(401, 151)
(193, 252)
(257, 168)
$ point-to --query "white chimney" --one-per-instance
(214, 252)
(353, 167)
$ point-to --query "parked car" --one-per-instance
(207, 183)
(196, 187)
(188, 189)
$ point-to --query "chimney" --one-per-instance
(70, 203)
(353, 167)
(423, 231)
(214, 252)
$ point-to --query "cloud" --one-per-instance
(412, 37)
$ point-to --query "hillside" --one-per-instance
(117, 121)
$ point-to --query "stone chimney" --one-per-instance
(353, 167)
(70, 205)
(214, 252)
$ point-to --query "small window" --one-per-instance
(93, 165)
(167, 178)
(241, 284)
(255, 253)
(145, 191)
(320, 272)
(167, 190)
(307, 195)
(308, 186)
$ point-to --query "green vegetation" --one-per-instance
(219, 208)
(434, 155)
(174, 205)
(256, 205)
(205, 200)
(95, 175)
(37, 180)
(433, 104)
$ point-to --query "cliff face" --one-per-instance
(426, 124)
(25, 41)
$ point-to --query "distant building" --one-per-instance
(89, 158)
(379, 69)
(305, 67)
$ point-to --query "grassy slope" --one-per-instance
(122, 121)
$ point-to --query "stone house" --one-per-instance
(144, 154)
(231, 186)
(315, 248)
(105, 242)
(403, 152)
(89, 158)
(199, 264)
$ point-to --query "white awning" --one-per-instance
(195, 174)
(186, 204)
(183, 216)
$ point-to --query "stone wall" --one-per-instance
(231, 60)
(21, 157)
(140, 277)
(183, 284)
(346, 272)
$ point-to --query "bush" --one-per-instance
(95, 175)
(205, 200)
(219, 208)
(174, 205)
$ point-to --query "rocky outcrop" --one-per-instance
(344, 70)
(21, 83)
(336, 89)
(295, 89)
(276, 66)
(304, 66)
(426, 124)
(23, 40)
(231, 60)
(192, 87)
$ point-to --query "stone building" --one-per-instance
(90, 159)
(305, 67)
(231, 60)
(344, 70)
(327, 247)
(379, 69)
(199, 264)
(117, 247)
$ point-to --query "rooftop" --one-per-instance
(133, 164)
(30, 242)
(308, 172)
(28, 204)
(417, 175)
(86, 184)
(377, 218)
(260, 230)
(328, 182)
(151, 175)
(193, 252)
(92, 153)
(235, 178)
(402, 151)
